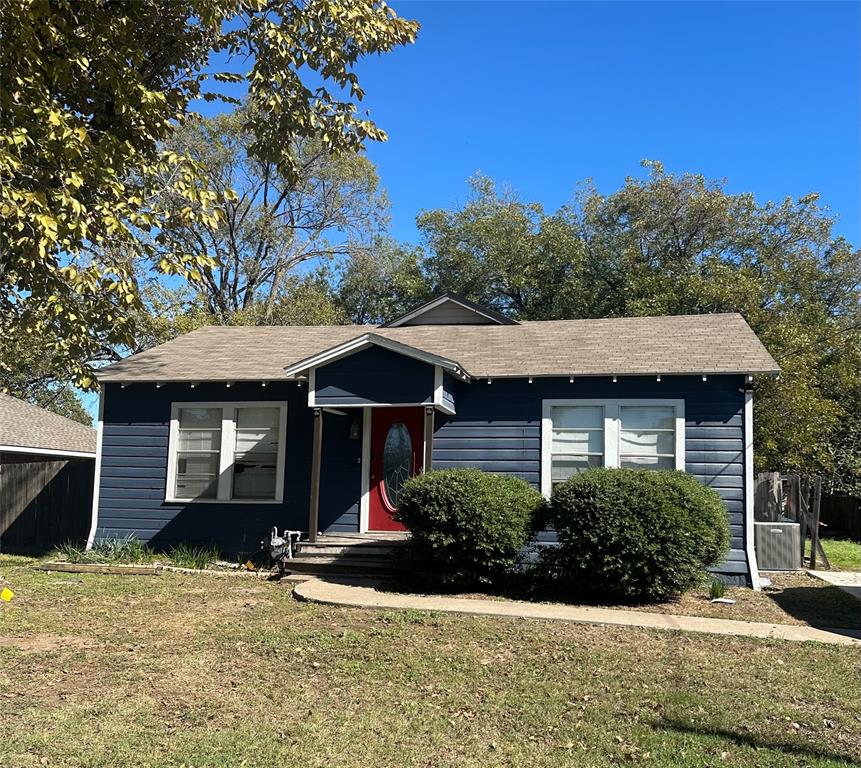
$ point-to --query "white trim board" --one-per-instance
(228, 432)
(97, 475)
(51, 451)
(611, 408)
(749, 541)
(365, 498)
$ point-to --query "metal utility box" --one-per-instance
(778, 546)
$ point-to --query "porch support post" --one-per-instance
(316, 457)
(428, 444)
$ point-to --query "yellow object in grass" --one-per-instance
(249, 565)
(6, 594)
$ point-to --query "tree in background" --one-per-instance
(672, 244)
(329, 207)
(380, 285)
(89, 94)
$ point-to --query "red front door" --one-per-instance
(397, 442)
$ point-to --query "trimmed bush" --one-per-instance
(637, 534)
(467, 526)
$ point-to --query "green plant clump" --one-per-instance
(637, 534)
(187, 556)
(717, 589)
(467, 526)
(129, 549)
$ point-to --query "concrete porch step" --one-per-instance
(330, 565)
(351, 551)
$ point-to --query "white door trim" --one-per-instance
(365, 500)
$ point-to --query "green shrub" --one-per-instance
(467, 526)
(637, 534)
(187, 556)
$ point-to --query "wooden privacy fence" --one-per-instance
(796, 498)
(44, 504)
(842, 515)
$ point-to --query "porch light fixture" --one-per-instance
(658, 377)
(570, 379)
(263, 383)
(530, 379)
(228, 384)
(705, 378)
(193, 384)
(750, 377)
(615, 379)
(159, 384)
(490, 381)
(123, 385)
(355, 429)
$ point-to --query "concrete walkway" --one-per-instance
(361, 594)
(848, 581)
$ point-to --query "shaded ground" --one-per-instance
(182, 670)
(793, 598)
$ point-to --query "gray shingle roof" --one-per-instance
(686, 344)
(23, 425)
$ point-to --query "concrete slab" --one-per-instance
(848, 581)
(364, 595)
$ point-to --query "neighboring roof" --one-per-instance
(485, 315)
(687, 344)
(36, 430)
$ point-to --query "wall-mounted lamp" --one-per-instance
(615, 379)
(355, 428)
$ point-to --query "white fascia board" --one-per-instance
(49, 451)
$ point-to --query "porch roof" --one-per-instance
(683, 344)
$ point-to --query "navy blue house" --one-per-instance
(221, 434)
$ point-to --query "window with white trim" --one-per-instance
(227, 452)
(640, 434)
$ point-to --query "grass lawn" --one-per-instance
(200, 671)
(844, 554)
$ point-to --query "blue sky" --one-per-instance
(543, 95)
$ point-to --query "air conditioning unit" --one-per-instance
(778, 546)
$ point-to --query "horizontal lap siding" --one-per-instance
(135, 436)
(498, 428)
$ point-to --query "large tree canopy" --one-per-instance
(666, 244)
(90, 93)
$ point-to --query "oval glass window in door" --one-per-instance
(397, 462)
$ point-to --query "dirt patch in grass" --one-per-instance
(45, 643)
(183, 671)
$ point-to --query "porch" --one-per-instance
(367, 555)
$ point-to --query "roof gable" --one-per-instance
(363, 342)
(450, 309)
